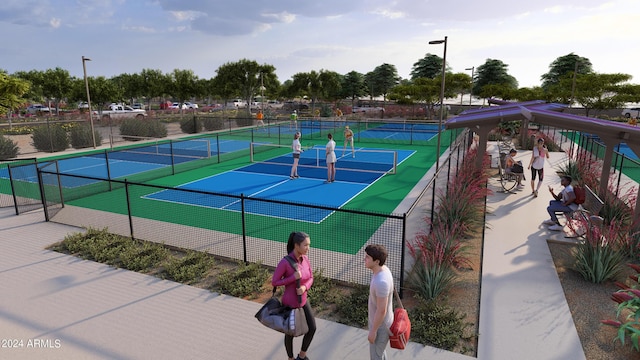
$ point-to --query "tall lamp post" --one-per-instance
(262, 89)
(444, 68)
(471, 91)
(86, 84)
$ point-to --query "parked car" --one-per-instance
(237, 103)
(165, 105)
(176, 105)
(293, 105)
(274, 104)
(37, 108)
(83, 105)
(189, 105)
(139, 106)
(631, 113)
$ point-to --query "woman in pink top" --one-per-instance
(294, 296)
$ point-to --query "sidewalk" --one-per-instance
(59, 307)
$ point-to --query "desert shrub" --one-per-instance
(600, 256)
(436, 254)
(51, 138)
(143, 257)
(628, 319)
(353, 309)
(213, 124)
(462, 204)
(81, 137)
(8, 148)
(244, 280)
(142, 128)
(437, 325)
(189, 269)
(320, 291)
(191, 125)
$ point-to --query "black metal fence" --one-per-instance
(240, 235)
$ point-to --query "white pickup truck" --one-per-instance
(116, 111)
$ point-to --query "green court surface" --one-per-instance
(382, 197)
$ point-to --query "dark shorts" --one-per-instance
(296, 156)
(539, 172)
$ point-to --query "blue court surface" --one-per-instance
(83, 166)
(270, 180)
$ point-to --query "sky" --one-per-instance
(127, 36)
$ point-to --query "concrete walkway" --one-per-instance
(59, 307)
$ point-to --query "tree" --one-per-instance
(183, 84)
(12, 90)
(103, 91)
(243, 79)
(353, 86)
(428, 67)
(317, 85)
(602, 91)
(130, 85)
(56, 85)
(492, 80)
(565, 66)
(381, 80)
(153, 84)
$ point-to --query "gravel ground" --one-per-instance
(589, 303)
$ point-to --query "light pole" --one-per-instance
(471, 91)
(262, 89)
(86, 84)
(444, 68)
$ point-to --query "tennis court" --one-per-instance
(269, 179)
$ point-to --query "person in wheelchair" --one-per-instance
(513, 167)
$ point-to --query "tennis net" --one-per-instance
(162, 152)
(369, 160)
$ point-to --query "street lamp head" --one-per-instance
(471, 68)
(85, 59)
(435, 42)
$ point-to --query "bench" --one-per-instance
(586, 214)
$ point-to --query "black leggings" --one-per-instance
(306, 340)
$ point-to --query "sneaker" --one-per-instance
(549, 222)
(291, 177)
(326, 182)
(556, 227)
(299, 358)
(535, 193)
(296, 176)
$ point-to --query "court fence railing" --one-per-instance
(246, 236)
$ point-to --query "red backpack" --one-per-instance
(581, 194)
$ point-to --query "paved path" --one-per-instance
(61, 307)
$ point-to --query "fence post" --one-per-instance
(402, 256)
(126, 190)
(244, 230)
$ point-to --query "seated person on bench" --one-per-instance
(511, 166)
(564, 202)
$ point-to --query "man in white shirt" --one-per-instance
(564, 202)
(380, 301)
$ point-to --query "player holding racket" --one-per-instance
(348, 138)
(297, 149)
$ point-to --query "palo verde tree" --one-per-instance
(12, 90)
(601, 91)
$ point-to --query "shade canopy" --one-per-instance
(482, 121)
